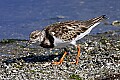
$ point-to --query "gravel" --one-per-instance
(99, 60)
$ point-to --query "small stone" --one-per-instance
(116, 23)
(15, 71)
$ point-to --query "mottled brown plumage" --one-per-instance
(69, 30)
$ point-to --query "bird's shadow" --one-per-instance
(33, 59)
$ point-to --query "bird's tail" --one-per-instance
(96, 20)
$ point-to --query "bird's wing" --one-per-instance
(69, 30)
(66, 30)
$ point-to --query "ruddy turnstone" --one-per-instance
(65, 33)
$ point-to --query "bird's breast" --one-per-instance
(46, 43)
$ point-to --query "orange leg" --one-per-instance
(61, 60)
(78, 55)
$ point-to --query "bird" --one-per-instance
(65, 33)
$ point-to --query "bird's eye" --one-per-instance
(35, 36)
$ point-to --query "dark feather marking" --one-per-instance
(48, 41)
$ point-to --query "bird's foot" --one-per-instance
(61, 60)
(56, 63)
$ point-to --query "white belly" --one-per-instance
(58, 43)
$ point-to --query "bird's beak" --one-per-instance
(30, 41)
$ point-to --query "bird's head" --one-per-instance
(37, 36)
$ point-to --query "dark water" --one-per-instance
(19, 17)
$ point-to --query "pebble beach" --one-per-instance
(99, 60)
